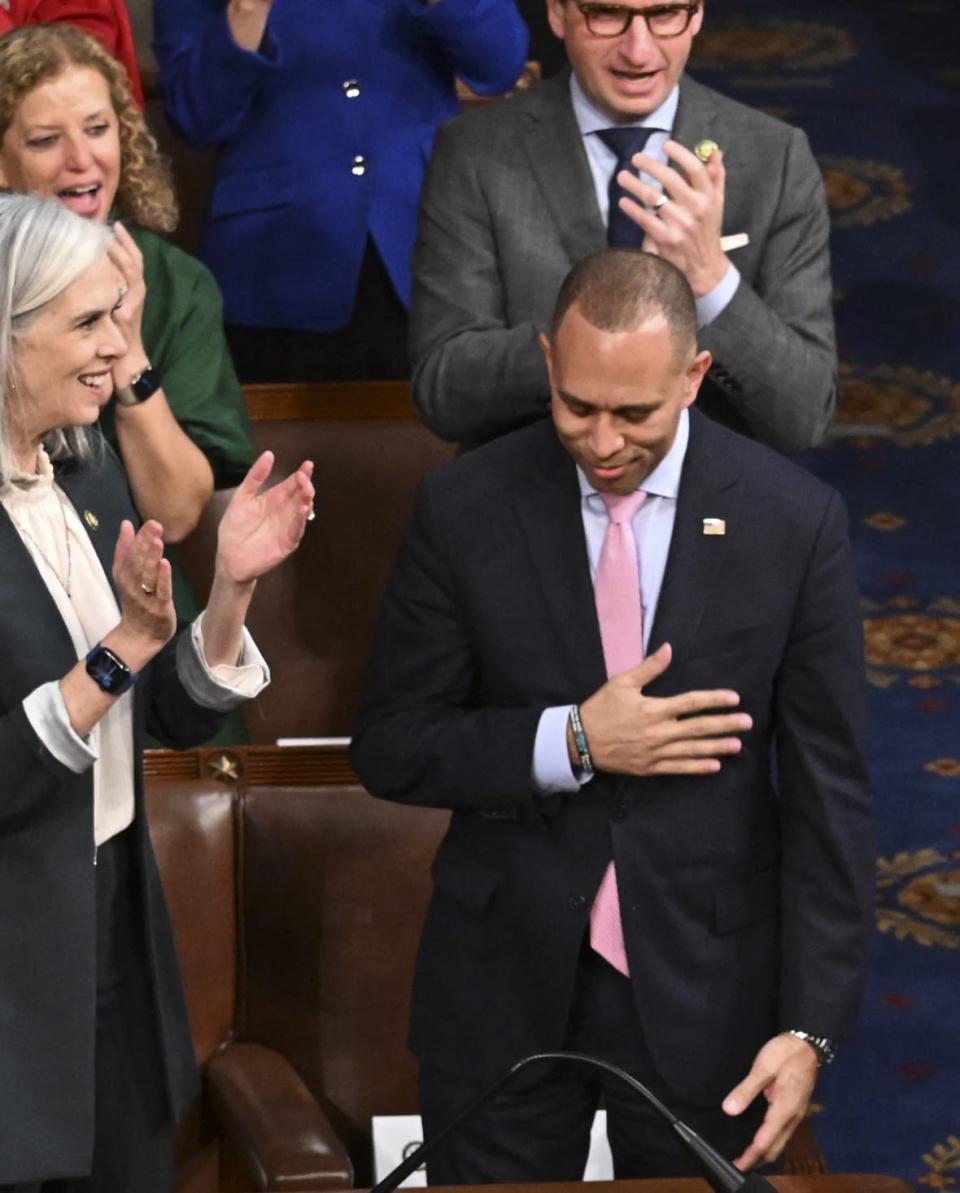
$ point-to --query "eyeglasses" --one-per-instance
(663, 20)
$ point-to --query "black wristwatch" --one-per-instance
(144, 385)
(109, 672)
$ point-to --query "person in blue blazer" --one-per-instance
(323, 115)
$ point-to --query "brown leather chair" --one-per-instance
(256, 1126)
(297, 901)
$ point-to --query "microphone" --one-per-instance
(720, 1174)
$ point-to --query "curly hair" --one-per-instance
(33, 54)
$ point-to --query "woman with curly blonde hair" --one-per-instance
(71, 130)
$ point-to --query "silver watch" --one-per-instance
(824, 1046)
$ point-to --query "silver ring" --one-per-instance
(661, 202)
(145, 590)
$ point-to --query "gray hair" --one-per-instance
(44, 248)
(621, 289)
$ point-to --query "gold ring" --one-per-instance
(145, 590)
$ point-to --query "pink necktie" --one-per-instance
(617, 593)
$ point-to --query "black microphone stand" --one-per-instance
(720, 1174)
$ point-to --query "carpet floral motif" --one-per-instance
(943, 1159)
(911, 644)
(914, 407)
(918, 898)
(862, 192)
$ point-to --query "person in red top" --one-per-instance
(107, 20)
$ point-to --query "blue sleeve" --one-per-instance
(208, 83)
(485, 41)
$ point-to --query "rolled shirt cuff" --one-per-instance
(48, 717)
(222, 687)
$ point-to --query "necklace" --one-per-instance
(25, 534)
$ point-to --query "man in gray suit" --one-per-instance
(519, 191)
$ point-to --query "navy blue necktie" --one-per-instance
(622, 232)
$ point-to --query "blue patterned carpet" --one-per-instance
(876, 84)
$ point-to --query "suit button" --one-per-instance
(577, 902)
(359, 166)
(351, 88)
(620, 811)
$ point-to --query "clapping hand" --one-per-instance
(683, 219)
(260, 529)
(145, 591)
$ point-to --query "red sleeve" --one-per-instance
(107, 20)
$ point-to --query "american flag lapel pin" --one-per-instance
(714, 526)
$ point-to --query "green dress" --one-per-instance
(183, 338)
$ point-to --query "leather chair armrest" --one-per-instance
(274, 1122)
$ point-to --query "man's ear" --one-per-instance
(696, 371)
(547, 348)
(556, 17)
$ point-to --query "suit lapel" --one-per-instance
(26, 606)
(548, 508)
(549, 512)
(558, 162)
(696, 115)
(707, 490)
(90, 496)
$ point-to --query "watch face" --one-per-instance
(109, 672)
(146, 385)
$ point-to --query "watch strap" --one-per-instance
(823, 1044)
(142, 386)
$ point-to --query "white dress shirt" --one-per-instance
(603, 162)
(652, 531)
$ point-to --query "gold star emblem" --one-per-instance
(225, 767)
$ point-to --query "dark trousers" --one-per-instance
(539, 1129)
(371, 347)
(133, 1142)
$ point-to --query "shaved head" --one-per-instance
(623, 289)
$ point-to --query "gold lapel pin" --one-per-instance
(91, 519)
(705, 150)
(714, 526)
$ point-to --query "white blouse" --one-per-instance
(52, 532)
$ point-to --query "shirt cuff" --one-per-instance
(48, 717)
(552, 771)
(715, 300)
(222, 687)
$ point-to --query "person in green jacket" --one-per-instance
(70, 129)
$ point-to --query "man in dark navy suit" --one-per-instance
(624, 647)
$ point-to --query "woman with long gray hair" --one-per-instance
(95, 1053)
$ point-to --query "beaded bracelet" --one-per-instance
(580, 740)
